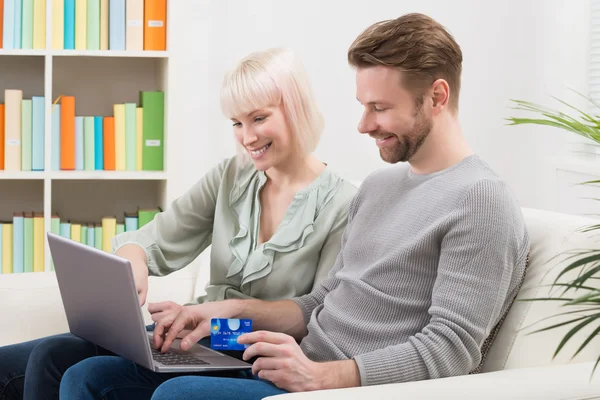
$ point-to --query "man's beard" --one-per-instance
(407, 144)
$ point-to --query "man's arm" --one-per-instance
(485, 243)
(283, 316)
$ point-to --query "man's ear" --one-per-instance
(440, 95)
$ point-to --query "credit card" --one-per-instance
(225, 331)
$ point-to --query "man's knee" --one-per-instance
(177, 387)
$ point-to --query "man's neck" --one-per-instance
(445, 146)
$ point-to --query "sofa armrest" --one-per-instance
(562, 382)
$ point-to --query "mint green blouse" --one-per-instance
(223, 210)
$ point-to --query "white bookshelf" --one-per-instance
(97, 79)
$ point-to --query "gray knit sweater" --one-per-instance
(428, 265)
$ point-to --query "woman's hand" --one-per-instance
(159, 310)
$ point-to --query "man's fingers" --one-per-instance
(162, 306)
(265, 336)
(158, 316)
(177, 326)
(264, 350)
(193, 337)
(266, 363)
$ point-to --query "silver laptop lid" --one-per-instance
(100, 300)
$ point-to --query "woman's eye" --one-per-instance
(259, 119)
(236, 124)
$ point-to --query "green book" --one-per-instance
(145, 216)
(93, 24)
(98, 237)
(54, 228)
(120, 228)
(26, 134)
(153, 131)
(27, 25)
(130, 142)
(88, 145)
(83, 234)
(28, 243)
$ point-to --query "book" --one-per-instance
(2, 137)
(109, 230)
(38, 242)
(67, 133)
(131, 222)
(98, 144)
(18, 22)
(139, 137)
(130, 136)
(69, 22)
(18, 231)
(155, 25)
(39, 24)
(8, 25)
(116, 25)
(55, 140)
(1, 266)
(98, 237)
(1, 35)
(26, 134)
(104, 24)
(54, 228)
(91, 233)
(147, 215)
(153, 104)
(81, 24)
(79, 151)
(120, 228)
(134, 33)
(93, 24)
(7, 247)
(76, 232)
(58, 24)
(65, 230)
(28, 242)
(88, 143)
(27, 25)
(120, 141)
(12, 132)
(83, 238)
(37, 142)
(109, 143)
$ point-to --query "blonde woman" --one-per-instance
(273, 215)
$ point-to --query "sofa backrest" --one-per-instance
(516, 346)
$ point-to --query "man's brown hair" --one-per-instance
(418, 46)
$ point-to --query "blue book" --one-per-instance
(8, 32)
(55, 156)
(37, 139)
(91, 235)
(65, 229)
(116, 25)
(99, 143)
(18, 246)
(18, 20)
(79, 165)
(131, 222)
(69, 24)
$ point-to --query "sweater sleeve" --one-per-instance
(482, 247)
(176, 236)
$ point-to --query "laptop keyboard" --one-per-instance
(172, 358)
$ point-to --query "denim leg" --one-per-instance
(49, 360)
(13, 363)
(215, 388)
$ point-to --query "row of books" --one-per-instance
(130, 140)
(22, 239)
(22, 132)
(23, 24)
(84, 24)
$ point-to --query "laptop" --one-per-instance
(102, 306)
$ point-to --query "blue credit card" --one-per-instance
(225, 331)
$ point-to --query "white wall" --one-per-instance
(512, 49)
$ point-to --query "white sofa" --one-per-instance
(519, 365)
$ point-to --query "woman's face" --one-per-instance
(266, 136)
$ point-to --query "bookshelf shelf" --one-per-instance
(98, 79)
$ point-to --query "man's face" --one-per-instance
(392, 116)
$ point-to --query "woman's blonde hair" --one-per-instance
(270, 78)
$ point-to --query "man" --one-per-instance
(432, 256)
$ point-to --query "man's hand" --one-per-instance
(282, 362)
(159, 310)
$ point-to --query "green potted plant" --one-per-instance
(580, 294)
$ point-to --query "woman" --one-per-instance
(273, 214)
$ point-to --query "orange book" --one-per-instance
(1, 132)
(1, 37)
(67, 133)
(109, 143)
(155, 24)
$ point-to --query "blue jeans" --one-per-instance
(33, 370)
(111, 378)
